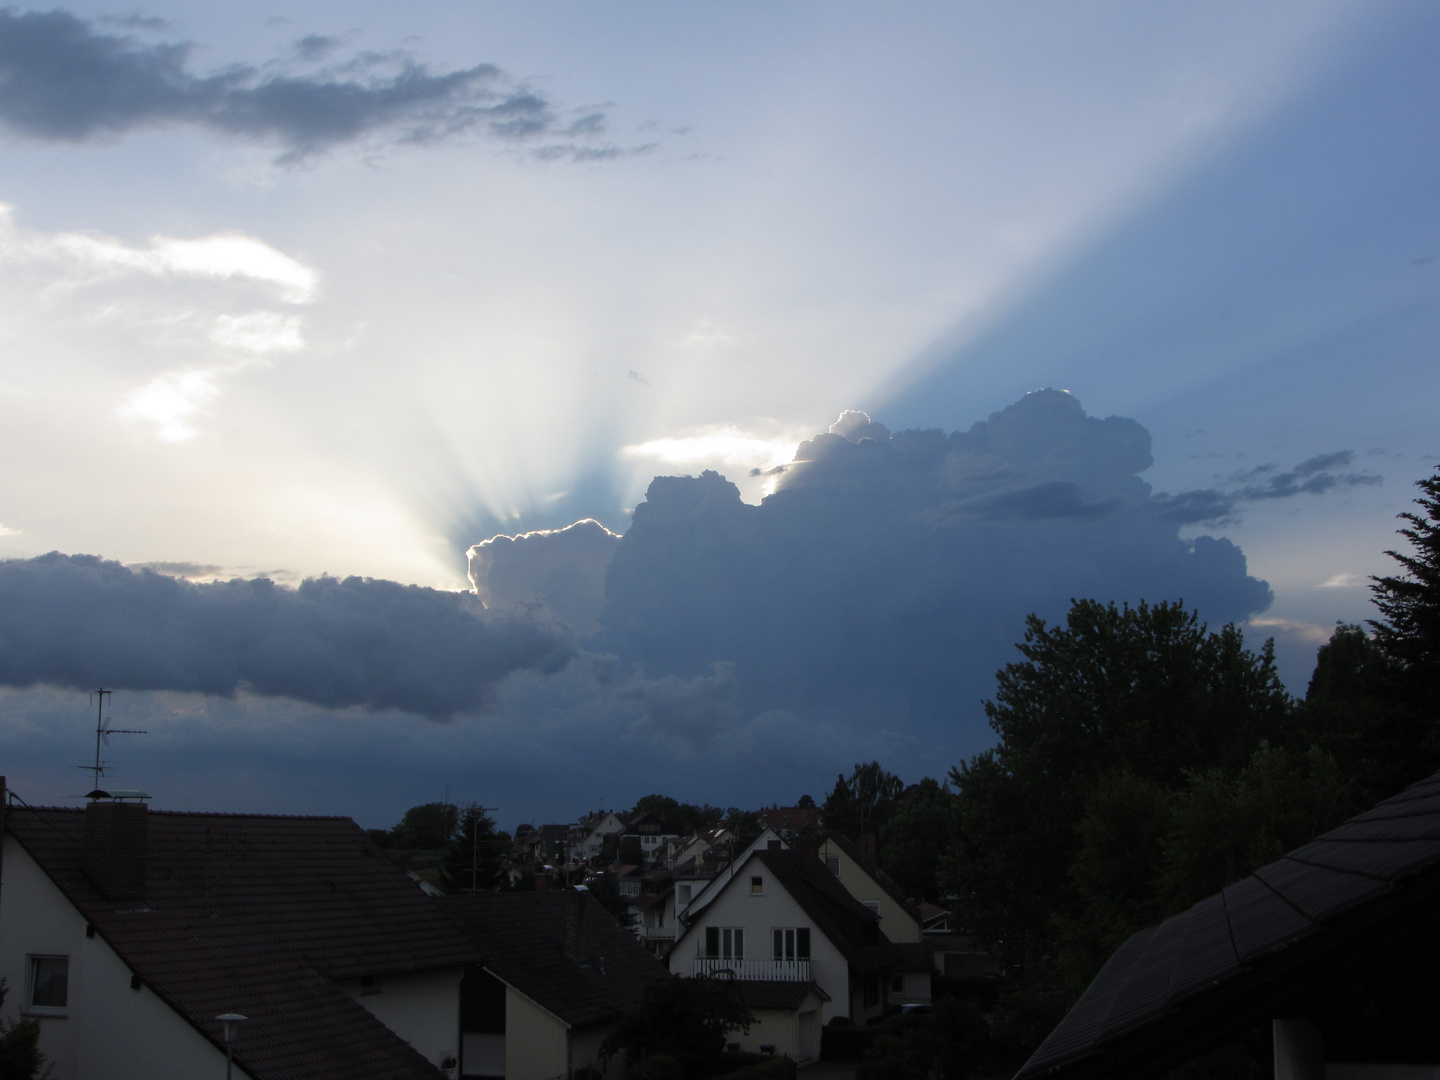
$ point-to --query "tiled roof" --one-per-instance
(881, 878)
(777, 995)
(257, 915)
(1234, 957)
(835, 913)
(521, 937)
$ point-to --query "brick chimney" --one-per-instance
(576, 909)
(542, 881)
(115, 848)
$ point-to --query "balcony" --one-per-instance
(753, 970)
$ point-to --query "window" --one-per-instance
(369, 984)
(897, 984)
(792, 943)
(725, 943)
(49, 983)
(757, 886)
(832, 863)
(682, 894)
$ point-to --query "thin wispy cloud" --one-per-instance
(221, 256)
(1314, 476)
(66, 79)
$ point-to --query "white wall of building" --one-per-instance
(109, 1031)
(422, 1007)
(759, 915)
(897, 923)
(536, 1041)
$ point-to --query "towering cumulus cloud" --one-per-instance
(83, 622)
(889, 576)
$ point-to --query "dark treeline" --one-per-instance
(1144, 762)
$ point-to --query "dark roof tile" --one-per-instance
(521, 937)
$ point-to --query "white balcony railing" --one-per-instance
(753, 970)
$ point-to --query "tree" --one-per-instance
(1147, 692)
(20, 1056)
(685, 1019)
(912, 842)
(1408, 631)
(864, 801)
(475, 851)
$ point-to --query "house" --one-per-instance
(556, 973)
(540, 845)
(586, 838)
(780, 917)
(790, 821)
(650, 834)
(1334, 947)
(708, 845)
(125, 932)
(863, 879)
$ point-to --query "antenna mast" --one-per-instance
(103, 731)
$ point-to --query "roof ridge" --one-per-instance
(197, 813)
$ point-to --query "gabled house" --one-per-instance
(1334, 946)
(863, 879)
(125, 932)
(782, 919)
(651, 833)
(586, 838)
(556, 972)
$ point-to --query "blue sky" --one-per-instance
(349, 288)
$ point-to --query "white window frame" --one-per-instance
(31, 964)
(786, 940)
(731, 941)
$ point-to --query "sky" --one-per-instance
(949, 313)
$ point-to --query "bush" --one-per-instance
(773, 1068)
(656, 1067)
(846, 1042)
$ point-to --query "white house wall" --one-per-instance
(897, 923)
(109, 1032)
(758, 915)
(422, 1007)
(536, 1041)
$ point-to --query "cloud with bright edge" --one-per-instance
(221, 256)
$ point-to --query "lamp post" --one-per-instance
(232, 1024)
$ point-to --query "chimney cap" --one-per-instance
(116, 794)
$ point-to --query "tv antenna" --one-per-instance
(103, 731)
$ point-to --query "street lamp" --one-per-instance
(232, 1025)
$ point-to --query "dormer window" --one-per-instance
(757, 886)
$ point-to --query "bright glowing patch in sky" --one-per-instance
(224, 256)
(260, 332)
(726, 445)
(170, 401)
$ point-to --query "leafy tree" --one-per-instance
(806, 802)
(20, 1056)
(864, 801)
(1147, 692)
(1408, 631)
(912, 842)
(1226, 826)
(685, 1019)
(429, 826)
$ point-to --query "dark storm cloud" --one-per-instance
(889, 576)
(63, 79)
(1314, 476)
(81, 621)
